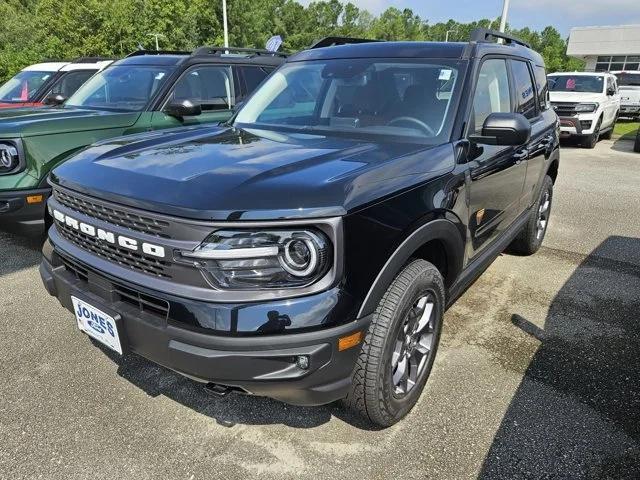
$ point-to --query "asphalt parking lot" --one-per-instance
(538, 375)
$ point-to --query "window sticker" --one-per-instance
(445, 74)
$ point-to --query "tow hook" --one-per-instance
(217, 389)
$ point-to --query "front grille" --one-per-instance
(128, 258)
(112, 214)
(143, 302)
(564, 109)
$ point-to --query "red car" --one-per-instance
(31, 86)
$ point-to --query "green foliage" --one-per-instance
(32, 31)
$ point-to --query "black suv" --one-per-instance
(308, 249)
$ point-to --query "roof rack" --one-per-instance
(334, 41)
(485, 35)
(225, 50)
(90, 59)
(139, 53)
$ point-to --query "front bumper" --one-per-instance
(262, 365)
(579, 125)
(16, 207)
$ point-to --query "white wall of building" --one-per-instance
(606, 48)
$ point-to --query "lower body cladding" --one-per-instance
(310, 368)
(24, 208)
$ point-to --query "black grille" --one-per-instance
(564, 109)
(143, 302)
(113, 253)
(111, 214)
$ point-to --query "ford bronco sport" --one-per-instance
(145, 91)
(308, 250)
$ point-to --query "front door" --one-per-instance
(496, 173)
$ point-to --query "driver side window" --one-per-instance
(210, 86)
(492, 93)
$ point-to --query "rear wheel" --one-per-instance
(591, 140)
(400, 346)
(530, 238)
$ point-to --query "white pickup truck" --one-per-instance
(629, 84)
(587, 103)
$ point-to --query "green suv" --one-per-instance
(145, 91)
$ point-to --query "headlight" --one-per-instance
(10, 158)
(254, 259)
(586, 107)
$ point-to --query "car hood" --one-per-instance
(33, 121)
(576, 97)
(235, 174)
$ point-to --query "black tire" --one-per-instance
(592, 140)
(530, 237)
(374, 392)
(609, 133)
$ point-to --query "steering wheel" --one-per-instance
(418, 122)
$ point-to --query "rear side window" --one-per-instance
(492, 93)
(71, 82)
(525, 94)
(542, 87)
(211, 86)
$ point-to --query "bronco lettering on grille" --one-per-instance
(109, 237)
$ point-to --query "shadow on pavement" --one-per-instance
(18, 251)
(576, 413)
(624, 145)
(232, 409)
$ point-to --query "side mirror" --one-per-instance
(611, 91)
(183, 108)
(54, 100)
(504, 129)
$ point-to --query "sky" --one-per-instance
(535, 14)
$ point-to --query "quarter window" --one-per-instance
(492, 93)
(212, 87)
(526, 99)
(71, 82)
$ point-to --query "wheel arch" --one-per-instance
(438, 241)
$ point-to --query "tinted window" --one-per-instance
(253, 76)
(525, 94)
(628, 79)
(542, 87)
(211, 86)
(71, 82)
(492, 93)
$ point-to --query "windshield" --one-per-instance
(125, 88)
(576, 83)
(23, 86)
(369, 96)
(628, 79)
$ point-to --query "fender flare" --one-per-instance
(439, 229)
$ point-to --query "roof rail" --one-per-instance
(485, 35)
(139, 53)
(225, 50)
(90, 59)
(334, 41)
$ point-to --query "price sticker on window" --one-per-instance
(445, 75)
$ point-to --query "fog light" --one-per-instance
(302, 361)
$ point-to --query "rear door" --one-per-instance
(212, 86)
(496, 173)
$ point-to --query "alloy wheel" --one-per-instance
(543, 214)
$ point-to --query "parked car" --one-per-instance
(587, 103)
(636, 146)
(629, 85)
(51, 82)
(146, 91)
(307, 250)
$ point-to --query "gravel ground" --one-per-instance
(537, 375)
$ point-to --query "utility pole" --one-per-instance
(224, 23)
(446, 37)
(156, 36)
(503, 18)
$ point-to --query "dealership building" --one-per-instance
(606, 48)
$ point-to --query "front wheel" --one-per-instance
(592, 140)
(400, 346)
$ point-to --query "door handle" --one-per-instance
(521, 155)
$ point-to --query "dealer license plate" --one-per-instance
(97, 324)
